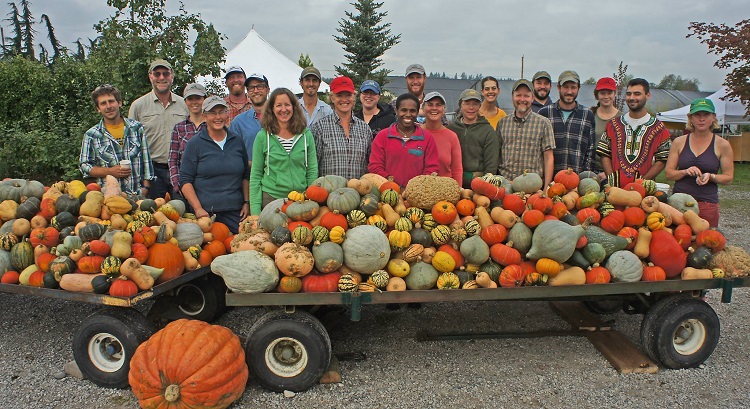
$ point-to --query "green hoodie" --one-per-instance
(480, 147)
(276, 172)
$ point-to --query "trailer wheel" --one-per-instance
(680, 332)
(106, 341)
(202, 299)
(604, 306)
(288, 351)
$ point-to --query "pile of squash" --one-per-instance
(360, 235)
(75, 237)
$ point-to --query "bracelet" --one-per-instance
(247, 202)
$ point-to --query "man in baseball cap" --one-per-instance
(312, 106)
(542, 82)
(237, 100)
(247, 124)
(377, 115)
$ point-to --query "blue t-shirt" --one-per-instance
(246, 125)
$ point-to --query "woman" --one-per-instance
(404, 150)
(480, 147)
(449, 149)
(605, 109)
(194, 95)
(284, 156)
(214, 169)
(489, 109)
(701, 160)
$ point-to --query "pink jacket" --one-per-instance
(391, 156)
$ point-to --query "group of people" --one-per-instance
(231, 156)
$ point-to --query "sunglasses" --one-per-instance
(159, 74)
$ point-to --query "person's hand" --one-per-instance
(703, 179)
(200, 212)
(119, 172)
(693, 171)
(244, 212)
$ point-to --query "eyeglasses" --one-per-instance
(259, 87)
(159, 74)
(214, 114)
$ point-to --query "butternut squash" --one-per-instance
(76, 254)
(622, 197)
(93, 204)
(570, 199)
(400, 206)
(690, 273)
(642, 243)
(569, 276)
(483, 217)
(481, 201)
(160, 201)
(390, 215)
(118, 222)
(467, 193)
(132, 269)
(38, 221)
(504, 217)
(121, 245)
(485, 281)
(697, 223)
(190, 262)
(428, 254)
(205, 223)
(78, 282)
(160, 218)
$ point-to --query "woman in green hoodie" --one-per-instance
(480, 147)
(284, 157)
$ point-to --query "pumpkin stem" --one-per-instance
(172, 393)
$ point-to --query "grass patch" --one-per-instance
(731, 204)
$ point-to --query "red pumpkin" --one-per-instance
(712, 239)
(587, 212)
(321, 283)
(629, 233)
(220, 231)
(139, 252)
(99, 247)
(528, 267)
(123, 288)
(47, 208)
(36, 279)
(48, 236)
(532, 218)
(317, 193)
(215, 248)
(568, 178)
(684, 235)
(559, 210)
(504, 254)
(493, 234)
(90, 264)
(228, 243)
(598, 275)
(653, 273)
(485, 188)
(666, 252)
(444, 212)
(289, 284)
(44, 260)
(93, 186)
(512, 276)
(166, 255)
(636, 187)
(465, 207)
(634, 217)
(613, 222)
(540, 201)
(390, 184)
(10, 277)
(514, 203)
(294, 225)
(333, 219)
(145, 235)
(556, 189)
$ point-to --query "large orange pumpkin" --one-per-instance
(189, 364)
(166, 255)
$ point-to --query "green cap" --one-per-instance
(702, 104)
(568, 76)
(470, 94)
(541, 74)
(522, 83)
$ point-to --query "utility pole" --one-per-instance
(522, 66)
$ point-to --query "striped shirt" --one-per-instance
(181, 134)
(286, 143)
(99, 148)
(337, 154)
(522, 144)
(575, 142)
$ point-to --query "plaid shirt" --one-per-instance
(575, 139)
(337, 154)
(522, 144)
(99, 148)
(235, 109)
(181, 134)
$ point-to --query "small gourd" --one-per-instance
(121, 247)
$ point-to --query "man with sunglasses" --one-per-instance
(247, 124)
(159, 111)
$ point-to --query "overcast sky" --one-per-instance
(487, 37)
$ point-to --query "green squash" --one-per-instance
(22, 255)
(15, 189)
(475, 250)
(588, 185)
(699, 258)
(624, 266)
(281, 235)
(330, 182)
(554, 239)
(520, 235)
(63, 219)
(101, 284)
(91, 231)
(492, 268)
(329, 257)
(578, 260)
(28, 209)
(369, 204)
(272, 217)
(610, 242)
(344, 200)
(67, 203)
(390, 197)
(594, 253)
(422, 276)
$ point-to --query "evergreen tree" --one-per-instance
(365, 40)
(16, 42)
(304, 61)
(57, 49)
(27, 36)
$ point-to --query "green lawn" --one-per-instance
(741, 180)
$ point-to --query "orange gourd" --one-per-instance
(613, 222)
(548, 266)
(505, 254)
(568, 178)
(514, 203)
(189, 364)
(653, 273)
(220, 231)
(166, 255)
(598, 275)
(684, 235)
(493, 234)
(512, 276)
(587, 212)
(465, 207)
(712, 239)
(444, 212)
(532, 218)
(628, 233)
(215, 248)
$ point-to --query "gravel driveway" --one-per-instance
(399, 372)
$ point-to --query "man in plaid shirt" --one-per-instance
(575, 142)
(115, 139)
(194, 95)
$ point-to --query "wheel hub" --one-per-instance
(106, 352)
(689, 337)
(286, 357)
(191, 299)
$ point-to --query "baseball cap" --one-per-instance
(435, 94)
(342, 84)
(568, 75)
(470, 94)
(233, 69)
(702, 105)
(159, 62)
(522, 82)
(606, 83)
(194, 89)
(370, 85)
(414, 68)
(255, 76)
(213, 101)
(541, 74)
(310, 71)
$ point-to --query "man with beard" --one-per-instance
(635, 145)
(573, 125)
(115, 139)
(342, 141)
(526, 138)
(415, 82)
(378, 116)
(159, 111)
(312, 106)
(542, 85)
(237, 100)
(247, 124)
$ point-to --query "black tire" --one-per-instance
(604, 306)
(202, 299)
(106, 341)
(680, 332)
(303, 342)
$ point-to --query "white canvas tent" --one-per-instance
(256, 55)
(730, 112)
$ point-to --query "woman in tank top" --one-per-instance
(700, 160)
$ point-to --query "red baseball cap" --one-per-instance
(606, 83)
(342, 84)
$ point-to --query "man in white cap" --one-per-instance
(247, 124)
(237, 100)
(159, 111)
(312, 106)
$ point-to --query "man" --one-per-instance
(247, 124)
(377, 115)
(159, 111)
(635, 145)
(237, 100)
(194, 96)
(312, 106)
(342, 140)
(479, 145)
(573, 125)
(542, 86)
(115, 139)
(526, 138)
